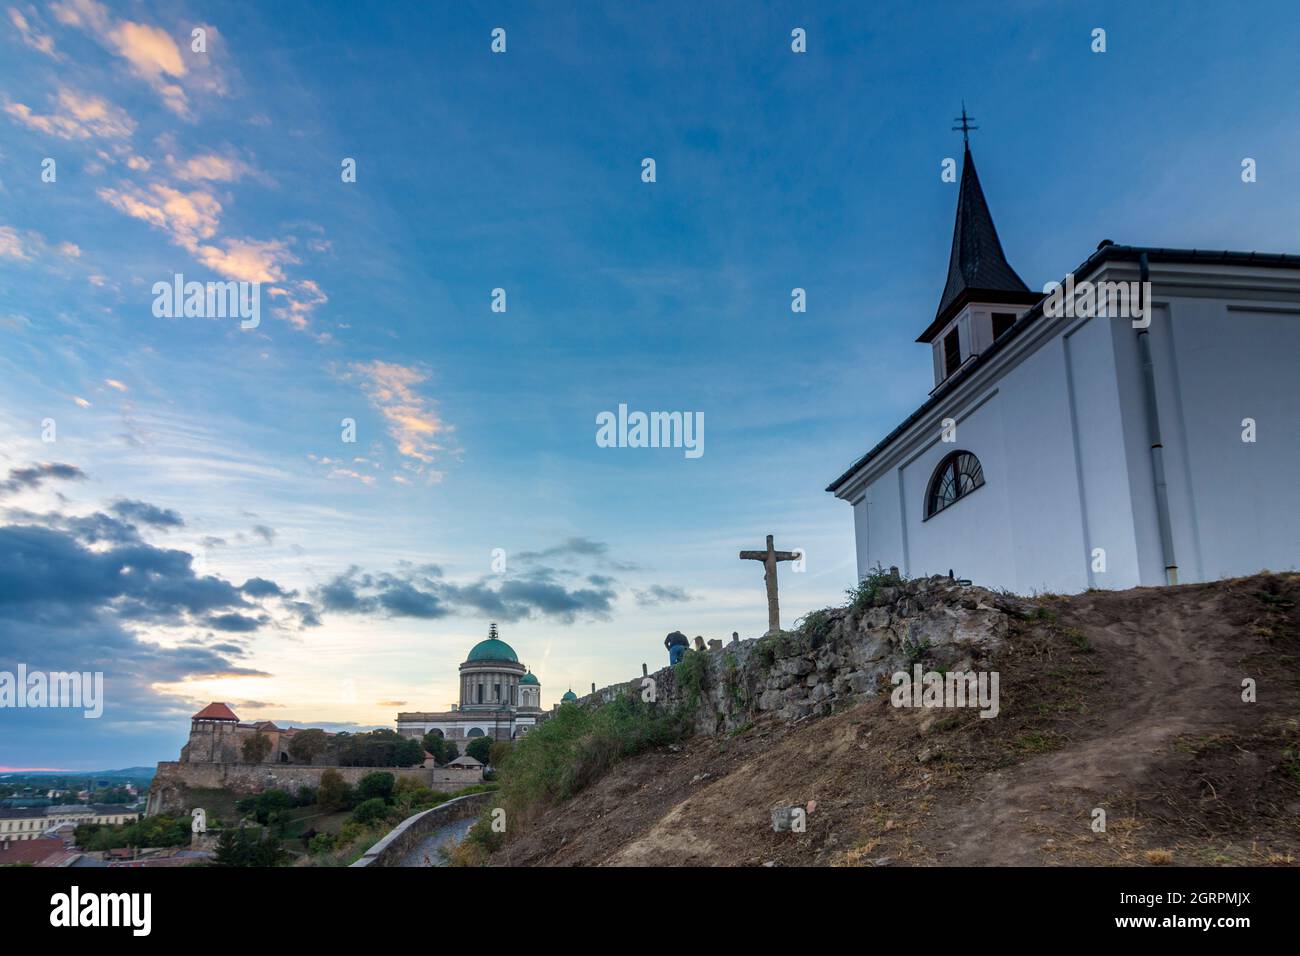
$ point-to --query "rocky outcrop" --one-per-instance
(838, 653)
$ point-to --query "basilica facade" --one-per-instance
(499, 698)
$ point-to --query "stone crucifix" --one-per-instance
(769, 558)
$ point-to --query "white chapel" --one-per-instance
(1077, 439)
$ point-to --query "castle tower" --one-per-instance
(212, 735)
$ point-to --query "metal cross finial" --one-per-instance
(965, 126)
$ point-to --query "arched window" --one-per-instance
(957, 476)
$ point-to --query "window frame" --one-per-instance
(949, 462)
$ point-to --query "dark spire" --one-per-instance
(977, 267)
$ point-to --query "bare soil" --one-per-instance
(1128, 702)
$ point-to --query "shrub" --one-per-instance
(370, 811)
(577, 745)
(334, 793)
(322, 843)
(692, 676)
(374, 785)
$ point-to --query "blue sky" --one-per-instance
(309, 580)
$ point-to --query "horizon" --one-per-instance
(199, 527)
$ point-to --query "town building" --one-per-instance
(33, 823)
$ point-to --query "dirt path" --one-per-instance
(1174, 668)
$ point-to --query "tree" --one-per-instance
(256, 748)
(334, 793)
(241, 848)
(450, 751)
(435, 744)
(479, 748)
(272, 802)
(374, 785)
(408, 753)
(307, 745)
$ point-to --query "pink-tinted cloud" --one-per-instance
(411, 421)
(76, 116)
(32, 36)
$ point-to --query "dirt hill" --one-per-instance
(1126, 701)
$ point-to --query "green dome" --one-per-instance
(569, 695)
(529, 679)
(493, 649)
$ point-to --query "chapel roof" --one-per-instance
(1106, 251)
(977, 266)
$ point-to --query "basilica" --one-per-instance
(499, 698)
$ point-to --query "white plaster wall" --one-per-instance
(1067, 467)
(1234, 503)
(1101, 455)
(970, 537)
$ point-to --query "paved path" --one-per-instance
(426, 853)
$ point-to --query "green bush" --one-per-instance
(370, 811)
(321, 843)
(577, 745)
(374, 785)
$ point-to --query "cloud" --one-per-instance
(11, 244)
(149, 51)
(261, 587)
(41, 42)
(658, 594)
(247, 260)
(76, 116)
(412, 593)
(188, 218)
(209, 167)
(236, 623)
(33, 476)
(412, 424)
(114, 383)
(584, 547)
(265, 532)
(142, 512)
(301, 299)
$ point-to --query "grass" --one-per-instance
(577, 745)
(692, 676)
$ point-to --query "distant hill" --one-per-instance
(127, 773)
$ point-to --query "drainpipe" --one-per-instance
(1153, 432)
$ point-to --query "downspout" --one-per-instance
(1153, 431)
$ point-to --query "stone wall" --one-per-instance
(406, 836)
(173, 778)
(837, 654)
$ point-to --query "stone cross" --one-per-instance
(769, 558)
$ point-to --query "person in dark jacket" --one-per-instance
(677, 644)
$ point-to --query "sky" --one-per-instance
(180, 508)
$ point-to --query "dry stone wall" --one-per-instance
(836, 654)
